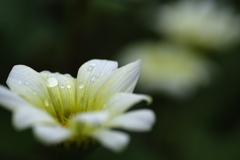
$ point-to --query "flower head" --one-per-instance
(168, 68)
(201, 23)
(61, 108)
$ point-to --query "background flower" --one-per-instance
(169, 68)
(201, 23)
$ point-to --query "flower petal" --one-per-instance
(62, 90)
(92, 118)
(123, 80)
(120, 102)
(140, 120)
(51, 134)
(29, 84)
(25, 117)
(91, 76)
(114, 140)
(11, 100)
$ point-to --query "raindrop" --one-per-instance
(27, 83)
(62, 87)
(93, 64)
(90, 68)
(20, 82)
(69, 86)
(80, 85)
(46, 72)
(84, 97)
(93, 78)
(68, 75)
(51, 82)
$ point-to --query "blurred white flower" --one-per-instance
(168, 68)
(61, 108)
(199, 23)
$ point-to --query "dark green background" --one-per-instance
(60, 35)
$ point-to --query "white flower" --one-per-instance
(201, 23)
(168, 68)
(61, 108)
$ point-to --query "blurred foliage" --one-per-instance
(60, 35)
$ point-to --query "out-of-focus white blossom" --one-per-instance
(62, 109)
(168, 68)
(200, 23)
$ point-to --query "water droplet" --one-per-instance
(90, 68)
(69, 86)
(93, 78)
(68, 75)
(20, 82)
(57, 74)
(98, 74)
(84, 97)
(93, 64)
(80, 85)
(46, 72)
(51, 82)
(62, 87)
(27, 83)
(34, 93)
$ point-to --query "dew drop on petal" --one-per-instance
(90, 68)
(93, 78)
(27, 83)
(19, 82)
(93, 64)
(51, 82)
(34, 93)
(69, 86)
(46, 72)
(62, 87)
(68, 75)
(80, 85)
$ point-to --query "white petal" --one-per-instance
(25, 117)
(120, 102)
(114, 140)
(91, 76)
(140, 120)
(29, 84)
(123, 80)
(92, 118)
(10, 100)
(51, 134)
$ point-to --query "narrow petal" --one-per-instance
(140, 120)
(25, 117)
(62, 90)
(51, 134)
(90, 78)
(123, 80)
(114, 140)
(92, 118)
(120, 102)
(10, 100)
(29, 84)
